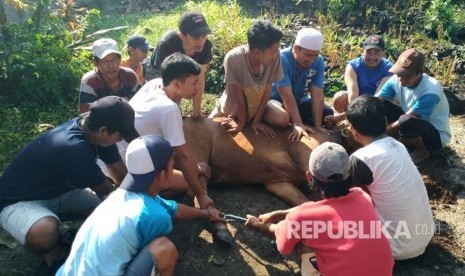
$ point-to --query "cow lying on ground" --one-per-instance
(247, 158)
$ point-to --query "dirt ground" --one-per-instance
(255, 254)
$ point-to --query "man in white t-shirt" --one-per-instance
(157, 112)
(383, 166)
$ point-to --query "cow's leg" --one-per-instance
(288, 192)
(220, 230)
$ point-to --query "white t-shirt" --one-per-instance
(398, 193)
(157, 114)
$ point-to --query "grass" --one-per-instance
(229, 24)
(21, 124)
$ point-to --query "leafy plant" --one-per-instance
(36, 63)
(229, 29)
(444, 15)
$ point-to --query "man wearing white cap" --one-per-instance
(303, 69)
(126, 234)
(108, 78)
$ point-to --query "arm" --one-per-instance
(117, 172)
(382, 82)
(317, 105)
(230, 124)
(274, 216)
(197, 102)
(188, 212)
(189, 169)
(103, 189)
(422, 108)
(350, 78)
(290, 105)
(265, 228)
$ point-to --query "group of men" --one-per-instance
(134, 110)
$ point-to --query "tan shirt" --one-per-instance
(239, 71)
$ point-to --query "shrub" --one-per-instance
(229, 29)
(36, 63)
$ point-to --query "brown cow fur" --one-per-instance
(249, 159)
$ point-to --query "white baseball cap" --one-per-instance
(146, 156)
(310, 39)
(103, 47)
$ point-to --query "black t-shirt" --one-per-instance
(54, 163)
(171, 43)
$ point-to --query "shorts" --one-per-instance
(412, 127)
(143, 264)
(305, 110)
(18, 218)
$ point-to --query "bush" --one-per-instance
(37, 64)
(229, 29)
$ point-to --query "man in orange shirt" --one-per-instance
(138, 47)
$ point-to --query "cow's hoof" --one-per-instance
(223, 237)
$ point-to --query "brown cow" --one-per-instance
(247, 158)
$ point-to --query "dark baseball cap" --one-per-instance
(374, 42)
(411, 61)
(115, 113)
(194, 24)
(138, 41)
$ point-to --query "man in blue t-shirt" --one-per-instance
(303, 69)
(49, 178)
(126, 234)
(421, 119)
(364, 75)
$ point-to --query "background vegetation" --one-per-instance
(44, 45)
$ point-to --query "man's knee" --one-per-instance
(43, 235)
(164, 252)
(282, 120)
(340, 101)
(275, 115)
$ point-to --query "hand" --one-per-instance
(298, 131)
(252, 222)
(268, 131)
(331, 121)
(271, 217)
(203, 201)
(215, 215)
(324, 130)
(231, 125)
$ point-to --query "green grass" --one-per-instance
(229, 23)
(21, 124)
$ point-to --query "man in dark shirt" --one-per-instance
(190, 40)
(50, 177)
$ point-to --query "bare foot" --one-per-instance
(419, 155)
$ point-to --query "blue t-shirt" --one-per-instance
(116, 231)
(427, 100)
(300, 80)
(53, 164)
(369, 79)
